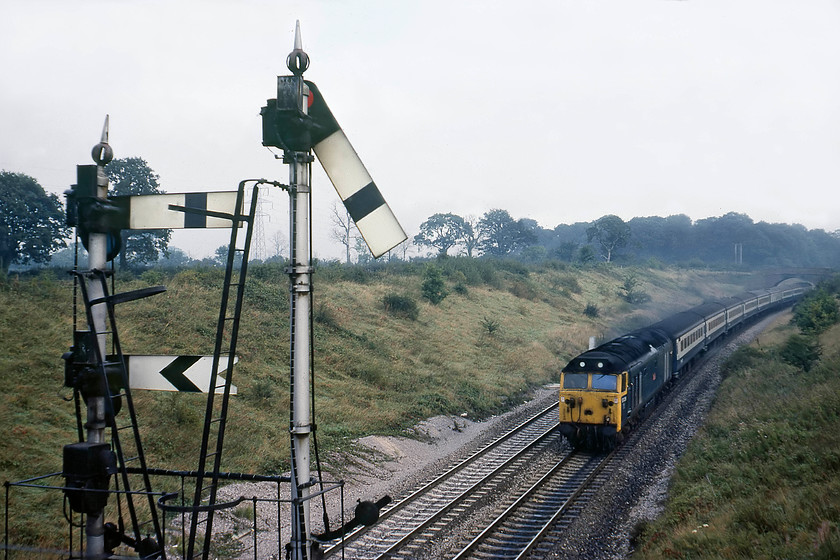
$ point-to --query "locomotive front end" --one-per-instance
(590, 404)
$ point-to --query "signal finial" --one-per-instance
(102, 153)
(297, 61)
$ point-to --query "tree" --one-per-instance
(611, 233)
(586, 254)
(342, 228)
(31, 221)
(502, 235)
(816, 312)
(363, 255)
(220, 256)
(433, 287)
(442, 231)
(470, 239)
(801, 351)
(133, 176)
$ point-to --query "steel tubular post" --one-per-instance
(300, 288)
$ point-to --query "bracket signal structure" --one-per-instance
(299, 122)
(104, 380)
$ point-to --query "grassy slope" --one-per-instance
(762, 478)
(375, 372)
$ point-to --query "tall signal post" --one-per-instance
(299, 122)
(300, 277)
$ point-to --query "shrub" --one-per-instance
(591, 310)
(460, 280)
(402, 306)
(567, 282)
(743, 358)
(816, 313)
(629, 292)
(523, 289)
(433, 287)
(325, 315)
(801, 351)
(490, 325)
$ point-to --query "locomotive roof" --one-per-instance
(619, 354)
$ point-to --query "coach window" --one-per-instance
(575, 380)
(604, 382)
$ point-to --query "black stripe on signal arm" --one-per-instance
(199, 202)
(364, 201)
(174, 373)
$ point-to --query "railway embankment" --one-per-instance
(761, 479)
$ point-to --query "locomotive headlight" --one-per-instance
(562, 399)
(615, 400)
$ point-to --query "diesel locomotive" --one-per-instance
(605, 391)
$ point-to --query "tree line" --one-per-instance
(729, 239)
(32, 229)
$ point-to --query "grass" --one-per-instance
(376, 372)
(762, 478)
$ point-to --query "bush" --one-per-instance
(325, 315)
(629, 292)
(591, 310)
(816, 313)
(801, 351)
(745, 357)
(567, 282)
(433, 287)
(460, 280)
(402, 306)
(490, 325)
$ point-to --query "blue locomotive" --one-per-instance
(605, 391)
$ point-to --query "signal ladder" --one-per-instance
(218, 396)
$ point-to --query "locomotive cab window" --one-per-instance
(604, 382)
(575, 380)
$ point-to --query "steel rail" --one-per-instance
(433, 512)
(562, 482)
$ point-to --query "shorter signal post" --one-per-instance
(298, 121)
(105, 472)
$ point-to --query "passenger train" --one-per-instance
(605, 391)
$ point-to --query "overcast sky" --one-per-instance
(558, 111)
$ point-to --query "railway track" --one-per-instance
(424, 517)
(521, 527)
